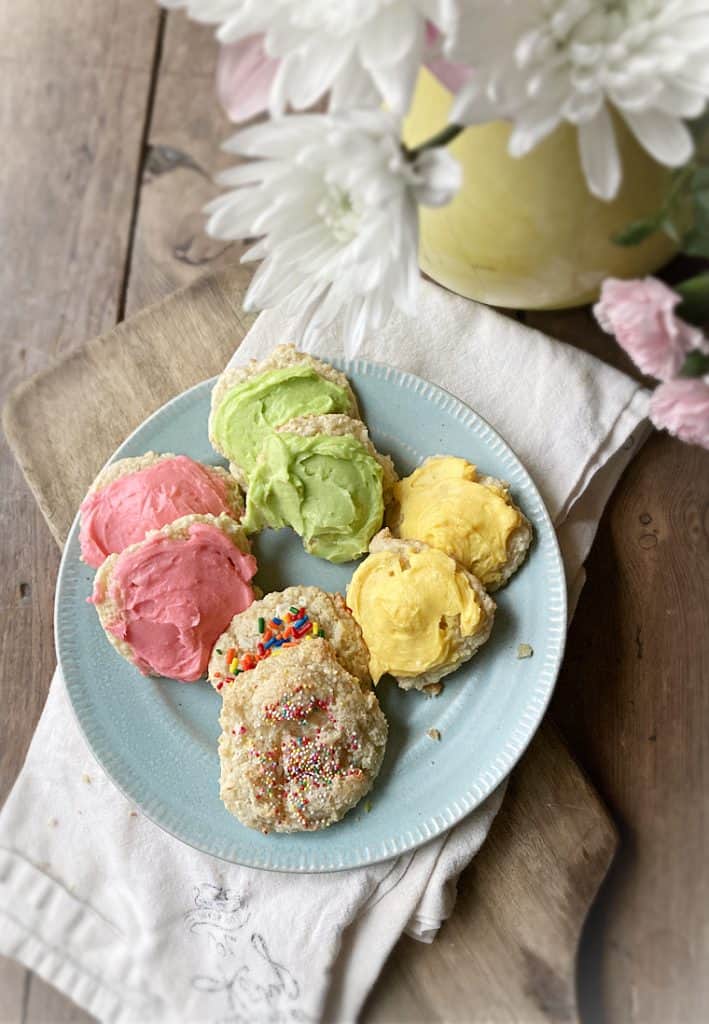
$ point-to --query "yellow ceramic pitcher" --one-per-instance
(526, 232)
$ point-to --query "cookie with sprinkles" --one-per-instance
(301, 745)
(285, 619)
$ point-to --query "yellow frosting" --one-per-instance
(444, 504)
(407, 608)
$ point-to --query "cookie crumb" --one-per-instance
(133, 814)
(86, 778)
(434, 734)
(525, 651)
(433, 689)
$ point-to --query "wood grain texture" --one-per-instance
(508, 952)
(74, 83)
(14, 987)
(45, 1005)
(553, 826)
(186, 129)
(67, 203)
(635, 708)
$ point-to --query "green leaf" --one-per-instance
(671, 230)
(695, 298)
(701, 206)
(696, 243)
(639, 230)
(700, 178)
(695, 365)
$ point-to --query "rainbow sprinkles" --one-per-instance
(276, 633)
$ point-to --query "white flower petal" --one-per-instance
(396, 81)
(473, 106)
(391, 36)
(580, 108)
(599, 155)
(676, 99)
(333, 204)
(533, 125)
(313, 40)
(353, 88)
(665, 137)
(243, 21)
(647, 58)
(313, 72)
(439, 175)
(259, 251)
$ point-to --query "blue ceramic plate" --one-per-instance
(157, 739)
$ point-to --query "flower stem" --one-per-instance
(442, 138)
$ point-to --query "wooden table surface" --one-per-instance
(111, 133)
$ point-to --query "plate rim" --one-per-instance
(478, 789)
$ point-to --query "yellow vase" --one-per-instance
(526, 232)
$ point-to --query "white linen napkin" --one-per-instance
(136, 926)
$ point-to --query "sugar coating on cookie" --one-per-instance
(250, 402)
(164, 601)
(132, 496)
(422, 615)
(284, 619)
(322, 477)
(447, 504)
(301, 744)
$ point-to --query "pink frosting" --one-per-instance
(177, 596)
(121, 514)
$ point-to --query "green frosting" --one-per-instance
(328, 489)
(249, 413)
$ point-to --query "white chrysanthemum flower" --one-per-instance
(358, 50)
(333, 202)
(541, 62)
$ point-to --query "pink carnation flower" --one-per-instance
(640, 313)
(682, 407)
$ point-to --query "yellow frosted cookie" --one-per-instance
(447, 504)
(422, 615)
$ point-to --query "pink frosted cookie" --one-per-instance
(132, 496)
(164, 601)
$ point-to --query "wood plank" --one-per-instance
(635, 708)
(14, 984)
(74, 82)
(550, 816)
(45, 1005)
(187, 127)
(508, 952)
